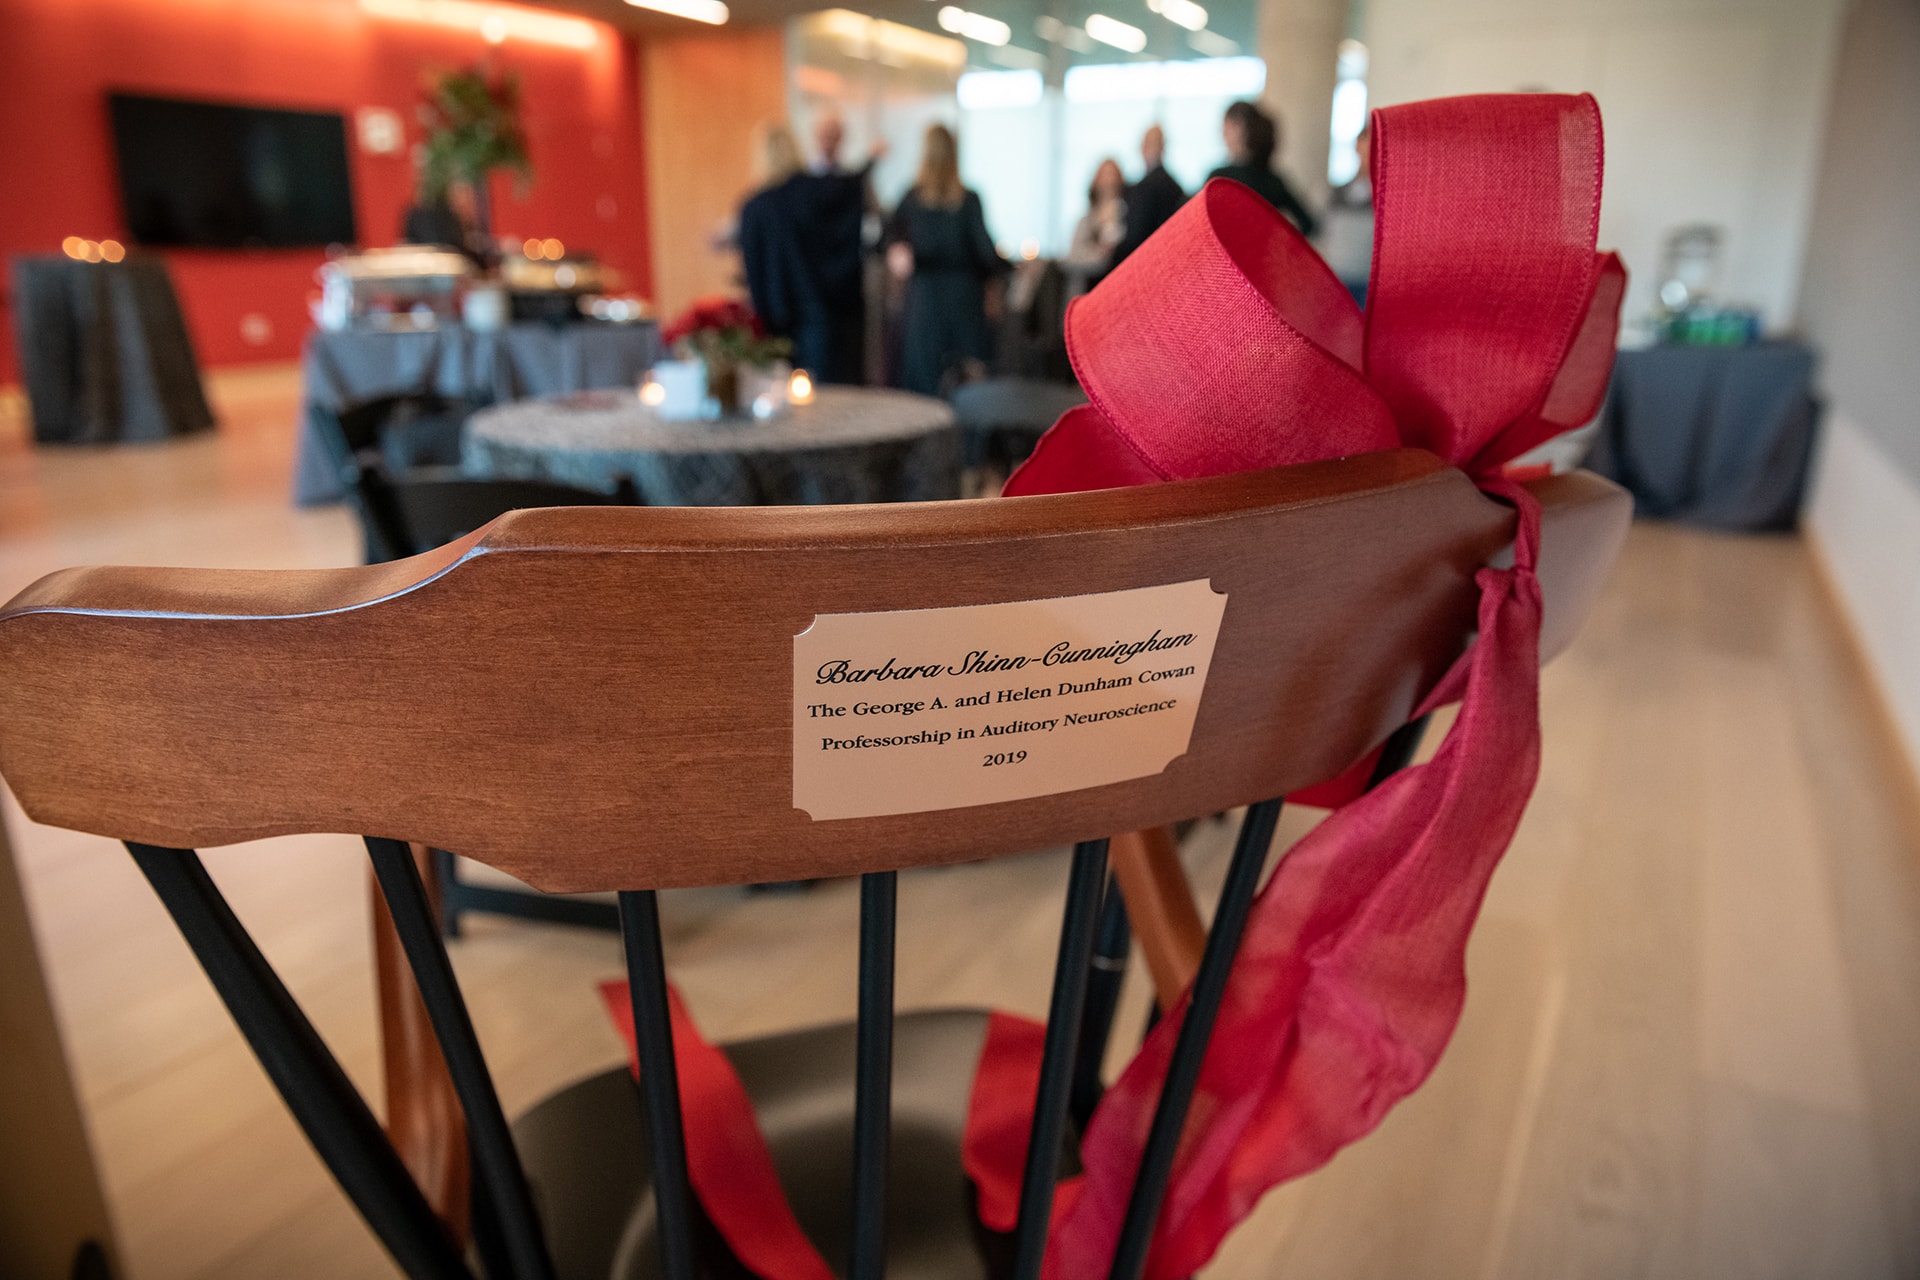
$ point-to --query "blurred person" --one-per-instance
(842, 201)
(1346, 229)
(446, 218)
(937, 242)
(1150, 201)
(772, 234)
(1105, 222)
(800, 247)
(1252, 136)
(829, 133)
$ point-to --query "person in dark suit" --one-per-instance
(841, 199)
(1150, 201)
(772, 235)
(799, 239)
(1252, 136)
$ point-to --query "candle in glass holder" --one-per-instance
(800, 387)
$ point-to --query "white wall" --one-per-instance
(1861, 305)
(1864, 522)
(1713, 111)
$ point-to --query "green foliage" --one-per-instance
(473, 128)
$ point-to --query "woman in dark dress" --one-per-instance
(1251, 137)
(937, 239)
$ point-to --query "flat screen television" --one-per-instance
(223, 176)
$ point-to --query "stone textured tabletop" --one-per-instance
(852, 444)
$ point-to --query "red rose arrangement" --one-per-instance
(724, 332)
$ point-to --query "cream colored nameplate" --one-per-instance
(923, 709)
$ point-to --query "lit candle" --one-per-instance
(800, 387)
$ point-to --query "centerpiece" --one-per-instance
(714, 340)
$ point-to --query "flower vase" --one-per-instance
(723, 384)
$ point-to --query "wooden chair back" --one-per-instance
(600, 699)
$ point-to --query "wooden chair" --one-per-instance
(178, 708)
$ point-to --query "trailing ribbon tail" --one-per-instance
(1350, 978)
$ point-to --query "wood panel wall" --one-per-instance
(703, 95)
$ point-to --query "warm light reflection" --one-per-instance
(708, 11)
(494, 23)
(1184, 13)
(74, 247)
(112, 250)
(531, 248)
(800, 387)
(889, 43)
(974, 26)
(653, 393)
(1029, 249)
(553, 249)
(1119, 34)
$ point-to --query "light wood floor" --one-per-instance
(1692, 1047)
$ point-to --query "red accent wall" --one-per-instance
(60, 58)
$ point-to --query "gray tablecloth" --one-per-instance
(1716, 436)
(853, 444)
(355, 366)
(104, 351)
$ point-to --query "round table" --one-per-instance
(852, 444)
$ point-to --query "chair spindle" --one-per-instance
(1196, 1031)
(1078, 923)
(1399, 750)
(330, 1110)
(659, 1080)
(873, 1076)
(489, 1138)
(1109, 971)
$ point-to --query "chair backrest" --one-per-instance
(178, 708)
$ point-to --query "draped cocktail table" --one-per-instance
(851, 445)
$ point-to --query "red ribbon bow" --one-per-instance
(1225, 344)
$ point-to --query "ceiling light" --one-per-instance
(974, 26)
(1116, 33)
(493, 23)
(711, 12)
(1183, 13)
